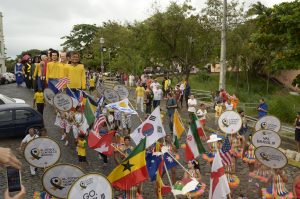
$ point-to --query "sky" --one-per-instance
(39, 24)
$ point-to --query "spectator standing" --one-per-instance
(140, 93)
(158, 93)
(223, 95)
(131, 80)
(192, 104)
(154, 84)
(148, 100)
(178, 94)
(182, 88)
(187, 92)
(219, 111)
(262, 108)
(244, 128)
(297, 131)
(125, 77)
(171, 106)
(201, 114)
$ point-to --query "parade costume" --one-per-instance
(233, 181)
(249, 155)
(76, 75)
(28, 79)
(19, 73)
(42, 195)
(262, 174)
(236, 150)
(40, 73)
(277, 190)
(209, 157)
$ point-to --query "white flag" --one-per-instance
(121, 106)
(152, 128)
(219, 188)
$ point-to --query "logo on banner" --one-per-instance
(266, 138)
(268, 122)
(56, 182)
(271, 157)
(230, 122)
(147, 129)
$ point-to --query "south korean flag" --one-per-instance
(152, 128)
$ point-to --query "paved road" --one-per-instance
(69, 156)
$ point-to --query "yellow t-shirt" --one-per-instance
(76, 75)
(81, 147)
(53, 70)
(140, 91)
(92, 82)
(39, 97)
(219, 110)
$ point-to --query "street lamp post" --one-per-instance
(101, 50)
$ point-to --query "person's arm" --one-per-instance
(186, 175)
(19, 195)
(8, 158)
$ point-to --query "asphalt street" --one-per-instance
(69, 155)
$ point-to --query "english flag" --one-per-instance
(62, 82)
(219, 188)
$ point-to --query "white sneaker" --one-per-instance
(67, 143)
(62, 138)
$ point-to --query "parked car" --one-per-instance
(8, 78)
(7, 100)
(17, 119)
(2, 79)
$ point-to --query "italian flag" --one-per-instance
(199, 126)
(194, 145)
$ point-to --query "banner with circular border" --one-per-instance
(271, 157)
(230, 122)
(268, 122)
(63, 102)
(100, 88)
(111, 95)
(42, 152)
(266, 138)
(49, 95)
(122, 91)
(92, 185)
(58, 179)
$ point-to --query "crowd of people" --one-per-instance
(44, 71)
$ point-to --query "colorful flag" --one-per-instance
(185, 186)
(94, 136)
(200, 129)
(104, 145)
(219, 187)
(132, 171)
(121, 106)
(62, 82)
(51, 85)
(153, 162)
(73, 97)
(161, 188)
(178, 128)
(151, 128)
(225, 152)
(169, 161)
(88, 113)
(193, 143)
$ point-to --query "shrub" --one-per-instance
(283, 110)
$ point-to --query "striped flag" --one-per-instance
(99, 122)
(62, 82)
(94, 137)
(225, 152)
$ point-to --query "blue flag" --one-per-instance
(169, 161)
(51, 85)
(152, 162)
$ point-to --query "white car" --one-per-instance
(7, 100)
(9, 77)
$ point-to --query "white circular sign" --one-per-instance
(266, 138)
(271, 157)
(268, 122)
(49, 95)
(100, 88)
(63, 102)
(42, 152)
(111, 95)
(230, 122)
(94, 186)
(122, 91)
(58, 179)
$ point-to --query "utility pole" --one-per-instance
(222, 81)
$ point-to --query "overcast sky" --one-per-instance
(40, 24)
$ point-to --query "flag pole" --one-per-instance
(170, 181)
(201, 126)
(135, 110)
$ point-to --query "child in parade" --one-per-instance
(296, 185)
(81, 150)
(249, 156)
(39, 101)
(91, 84)
(237, 146)
(172, 149)
(202, 114)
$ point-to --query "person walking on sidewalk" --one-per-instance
(39, 101)
(140, 93)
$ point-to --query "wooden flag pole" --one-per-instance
(168, 175)
(135, 110)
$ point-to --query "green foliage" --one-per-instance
(296, 81)
(203, 77)
(281, 108)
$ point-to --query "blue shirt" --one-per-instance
(262, 113)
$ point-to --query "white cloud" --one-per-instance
(40, 24)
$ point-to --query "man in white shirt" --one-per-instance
(131, 80)
(192, 103)
(228, 105)
(201, 113)
(158, 93)
(154, 84)
(30, 136)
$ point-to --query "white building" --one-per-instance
(2, 54)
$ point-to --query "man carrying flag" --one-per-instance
(219, 188)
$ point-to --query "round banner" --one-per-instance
(266, 138)
(271, 157)
(49, 95)
(230, 122)
(63, 102)
(58, 179)
(100, 88)
(92, 185)
(268, 122)
(111, 95)
(122, 91)
(42, 152)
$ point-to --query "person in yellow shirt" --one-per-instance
(219, 111)
(81, 150)
(39, 101)
(63, 64)
(76, 73)
(140, 93)
(40, 72)
(92, 83)
(54, 69)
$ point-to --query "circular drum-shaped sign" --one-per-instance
(49, 95)
(122, 91)
(58, 179)
(91, 186)
(111, 95)
(266, 138)
(230, 122)
(42, 152)
(268, 122)
(63, 102)
(100, 88)
(271, 157)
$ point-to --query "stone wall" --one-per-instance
(286, 77)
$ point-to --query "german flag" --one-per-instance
(132, 171)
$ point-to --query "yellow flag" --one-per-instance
(178, 127)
